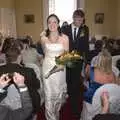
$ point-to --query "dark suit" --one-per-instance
(81, 44)
(31, 81)
(74, 79)
(18, 114)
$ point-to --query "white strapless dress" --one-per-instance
(55, 86)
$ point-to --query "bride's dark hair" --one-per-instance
(59, 29)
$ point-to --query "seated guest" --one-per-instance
(2, 55)
(109, 102)
(6, 44)
(115, 69)
(39, 48)
(118, 64)
(91, 55)
(102, 74)
(92, 43)
(32, 59)
(23, 113)
(13, 58)
(115, 59)
(30, 54)
(116, 47)
(98, 48)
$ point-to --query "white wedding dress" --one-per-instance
(54, 86)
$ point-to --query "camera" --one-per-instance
(10, 75)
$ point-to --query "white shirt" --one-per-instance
(77, 28)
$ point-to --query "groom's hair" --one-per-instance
(78, 12)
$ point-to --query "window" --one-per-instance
(63, 9)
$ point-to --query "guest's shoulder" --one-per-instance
(2, 66)
(28, 70)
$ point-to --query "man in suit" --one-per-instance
(78, 34)
(13, 58)
(23, 113)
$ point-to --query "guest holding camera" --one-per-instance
(6, 112)
(13, 59)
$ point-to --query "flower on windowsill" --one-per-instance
(69, 59)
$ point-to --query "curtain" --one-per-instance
(8, 22)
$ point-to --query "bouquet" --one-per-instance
(69, 59)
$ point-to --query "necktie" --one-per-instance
(74, 34)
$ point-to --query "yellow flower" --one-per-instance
(67, 57)
(76, 55)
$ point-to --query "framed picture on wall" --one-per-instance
(29, 18)
(99, 18)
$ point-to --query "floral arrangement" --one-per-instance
(68, 58)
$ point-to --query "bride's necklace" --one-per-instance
(54, 39)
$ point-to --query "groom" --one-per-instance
(78, 34)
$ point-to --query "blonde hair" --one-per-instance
(104, 61)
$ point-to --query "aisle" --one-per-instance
(65, 112)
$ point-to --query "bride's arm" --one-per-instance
(56, 68)
(43, 40)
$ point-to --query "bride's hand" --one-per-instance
(54, 70)
(47, 75)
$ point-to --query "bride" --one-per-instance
(54, 43)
